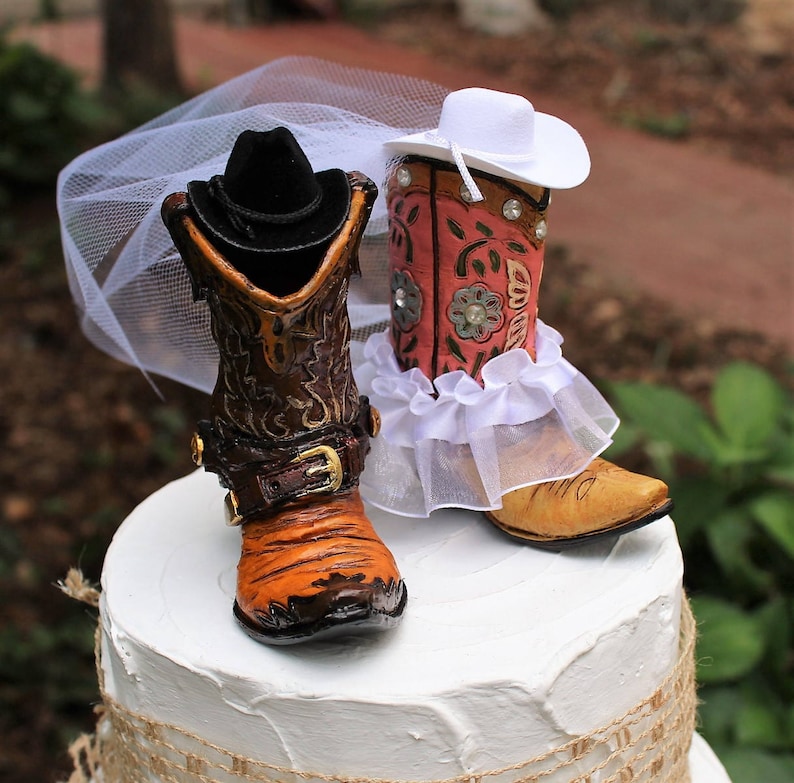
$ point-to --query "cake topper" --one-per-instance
(270, 245)
(479, 408)
(478, 404)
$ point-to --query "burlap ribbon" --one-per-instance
(648, 744)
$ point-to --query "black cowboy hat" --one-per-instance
(269, 200)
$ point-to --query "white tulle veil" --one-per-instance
(448, 443)
(129, 285)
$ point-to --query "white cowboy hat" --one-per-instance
(502, 134)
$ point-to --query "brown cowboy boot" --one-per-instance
(465, 278)
(288, 432)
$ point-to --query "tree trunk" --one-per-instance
(139, 45)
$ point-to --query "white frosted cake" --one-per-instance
(510, 664)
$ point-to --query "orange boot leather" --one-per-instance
(600, 501)
(288, 436)
(325, 557)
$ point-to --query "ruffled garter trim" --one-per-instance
(455, 443)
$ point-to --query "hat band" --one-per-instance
(241, 217)
(457, 155)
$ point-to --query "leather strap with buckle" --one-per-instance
(262, 475)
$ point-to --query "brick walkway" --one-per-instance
(711, 236)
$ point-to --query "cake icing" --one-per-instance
(506, 651)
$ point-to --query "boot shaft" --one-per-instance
(464, 276)
(284, 362)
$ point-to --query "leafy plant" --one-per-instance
(560, 9)
(47, 118)
(731, 474)
(43, 113)
(676, 125)
(684, 11)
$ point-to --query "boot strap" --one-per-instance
(262, 475)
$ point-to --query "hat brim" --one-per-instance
(277, 238)
(560, 158)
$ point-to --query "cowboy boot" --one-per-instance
(465, 278)
(288, 432)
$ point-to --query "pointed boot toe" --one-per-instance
(603, 500)
(309, 572)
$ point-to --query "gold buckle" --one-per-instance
(232, 506)
(332, 468)
(197, 449)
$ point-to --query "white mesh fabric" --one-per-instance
(129, 285)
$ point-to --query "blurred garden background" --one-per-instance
(706, 405)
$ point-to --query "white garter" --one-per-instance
(456, 443)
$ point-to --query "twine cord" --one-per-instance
(647, 744)
(238, 214)
(457, 155)
(76, 586)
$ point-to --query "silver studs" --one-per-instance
(541, 229)
(400, 297)
(465, 193)
(512, 209)
(475, 314)
(404, 177)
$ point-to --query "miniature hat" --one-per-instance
(502, 134)
(269, 199)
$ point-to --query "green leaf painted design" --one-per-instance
(483, 229)
(463, 257)
(454, 349)
(479, 267)
(412, 215)
(517, 247)
(398, 206)
(477, 363)
(411, 345)
(455, 229)
(495, 259)
(400, 233)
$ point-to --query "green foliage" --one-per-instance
(48, 9)
(731, 474)
(685, 11)
(46, 118)
(43, 115)
(670, 126)
(560, 9)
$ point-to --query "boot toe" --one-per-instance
(316, 571)
(343, 607)
(603, 500)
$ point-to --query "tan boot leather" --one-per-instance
(602, 500)
(288, 433)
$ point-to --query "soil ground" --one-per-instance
(708, 84)
(87, 438)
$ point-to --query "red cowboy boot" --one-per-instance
(465, 278)
(288, 432)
